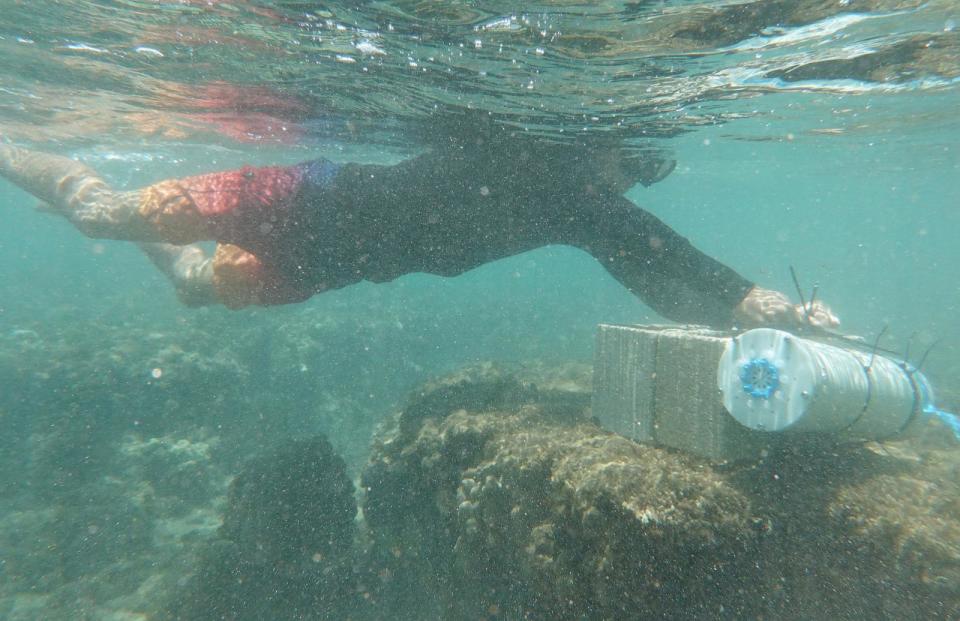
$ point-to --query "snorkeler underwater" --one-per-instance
(435, 310)
(284, 234)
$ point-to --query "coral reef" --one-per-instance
(282, 552)
(491, 494)
(120, 433)
(106, 546)
(509, 511)
(522, 510)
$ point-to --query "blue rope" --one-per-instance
(950, 420)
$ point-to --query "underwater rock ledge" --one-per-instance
(493, 494)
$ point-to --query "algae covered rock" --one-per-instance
(522, 510)
(908, 516)
(294, 502)
(282, 551)
(493, 495)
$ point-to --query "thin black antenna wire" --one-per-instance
(923, 358)
(876, 344)
(803, 304)
(813, 295)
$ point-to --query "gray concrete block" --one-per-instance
(658, 384)
(623, 377)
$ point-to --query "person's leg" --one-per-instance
(76, 192)
(157, 215)
(232, 276)
(228, 206)
(188, 268)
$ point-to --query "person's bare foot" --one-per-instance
(187, 267)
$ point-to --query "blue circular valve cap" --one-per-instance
(760, 378)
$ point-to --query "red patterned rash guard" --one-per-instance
(255, 215)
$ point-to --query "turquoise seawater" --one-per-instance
(819, 135)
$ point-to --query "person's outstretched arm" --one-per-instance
(673, 277)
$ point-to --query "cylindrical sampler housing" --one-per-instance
(774, 381)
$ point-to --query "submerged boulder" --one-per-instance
(282, 551)
(527, 509)
(493, 495)
(293, 503)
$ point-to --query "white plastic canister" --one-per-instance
(773, 381)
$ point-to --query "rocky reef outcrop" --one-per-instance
(515, 505)
(283, 549)
(494, 495)
(526, 509)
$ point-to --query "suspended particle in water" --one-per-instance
(148, 51)
(156, 373)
